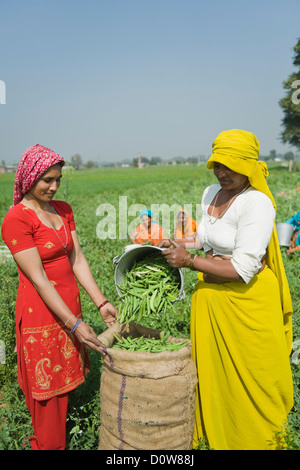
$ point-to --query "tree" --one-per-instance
(155, 161)
(289, 156)
(76, 161)
(271, 156)
(90, 164)
(290, 104)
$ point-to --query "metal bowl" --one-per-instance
(135, 253)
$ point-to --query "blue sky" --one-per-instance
(114, 79)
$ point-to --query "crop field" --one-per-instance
(105, 203)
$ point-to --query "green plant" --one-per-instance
(86, 190)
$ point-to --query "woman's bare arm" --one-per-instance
(221, 269)
(86, 279)
(133, 236)
(30, 263)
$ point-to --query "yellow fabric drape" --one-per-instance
(240, 333)
(238, 150)
(245, 388)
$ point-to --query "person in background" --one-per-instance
(185, 226)
(52, 335)
(241, 310)
(147, 232)
(295, 239)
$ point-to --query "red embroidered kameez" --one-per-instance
(55, 361)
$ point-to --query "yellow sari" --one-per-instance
(242, 335)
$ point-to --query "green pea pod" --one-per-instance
(147, 288)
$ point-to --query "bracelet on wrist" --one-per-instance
(71, 318)
(76, 325)
(192, 261)
(185, 261)
(102, 305)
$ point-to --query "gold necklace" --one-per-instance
(226, 208)
(45, 218)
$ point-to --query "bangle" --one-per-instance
(66, 324)
(185, 259)
(191, 262)
(103, 303)
(76, 325)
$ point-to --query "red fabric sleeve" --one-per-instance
(17, 231)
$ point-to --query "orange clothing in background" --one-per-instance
(153, 237)
(187, 230)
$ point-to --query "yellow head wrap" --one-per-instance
(239, 151)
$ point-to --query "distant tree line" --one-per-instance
(273, 156)
(77, 162)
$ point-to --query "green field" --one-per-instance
(86, 191)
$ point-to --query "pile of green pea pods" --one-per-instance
(152, 345)
(150, 286)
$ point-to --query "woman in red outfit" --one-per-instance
(51, 335)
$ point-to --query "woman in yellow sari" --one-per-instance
(241, 306)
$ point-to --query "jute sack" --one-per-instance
(147, 399)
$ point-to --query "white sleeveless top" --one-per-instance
(242, 233)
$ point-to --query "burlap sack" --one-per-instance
(147, 399)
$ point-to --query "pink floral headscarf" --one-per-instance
(34, 162)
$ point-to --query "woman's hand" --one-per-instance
(189, 243)
(133, 237)
(176, 255)
(86, 335)
(166, 243)
(290, 251)
(109, 313)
